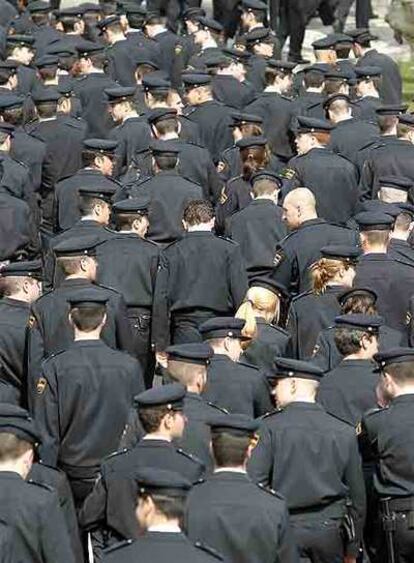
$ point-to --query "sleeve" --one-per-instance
(92, 513)
(46, 414)
(214, 182)
(260, 464)
(366, 181)
(354, 478)
(283, 271)
(263, 401)
(322, 355)
(35, 353)
(124, 338)
(33, 246)
(238, 277)
(132, 432)
(287, 548)
(292, 328)
(160, 310)
(55, 538)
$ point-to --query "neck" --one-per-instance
(231, 469)
(303, 398)
(129, 115)
(12, 467)
(209, 44)
(161, 524)
(273, 88)
(20, 296)
(77, 276)
(361, 355)
(375, 250)
(400, 235)
(92, 335)
(343, 117)
(159, 435)
(314, 89)
(169, 136)
(273, 199)
(308, 217)
(407, 390)
(201, 227)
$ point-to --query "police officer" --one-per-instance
(391, 84)
(159, 512)
(95, 211)
(276, 109)
(231, 513)
(182, 303)
(389, 157)
(88, 363)
(212, 117)
(381, 434)
(318, 168)
(50, 331)
(357, 301)
(325, 452)
(302, 247)
(368, 98)
(89, 88)
(231, 384)
(195, 162)
(98, 164)
(314, 310)
(131, 132)
(20, 286)
(310, 102)
(259, 227)
(119, 62)
(350, 134)
(128, 263)
(390, 279)
(113, 500)
(30, 508)
(349, 390)
(168, 191)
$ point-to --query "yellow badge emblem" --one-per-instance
(223, 196)
(41, 385)
(31, 321)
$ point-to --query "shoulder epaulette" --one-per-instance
(280, 329)
(227, 239)
(373, 411)
(41, 485)
(209, 550)
(52, 356)
(107, 286)
(228, 150)
(300, 295)
(221, 409)
(74, 123)
(271, 413)
(117, 546)
(247, 365)
(115, 454)
(340, 419)
(20, 162)
(270, 491)
(193, 458)
(234, 179)
(189, 111)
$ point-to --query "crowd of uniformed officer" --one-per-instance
(206, 287)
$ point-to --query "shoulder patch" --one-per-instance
(117, 546)
(41, 485)
(278, 257)
(288, 173)
(223, 196)
(41, 385)
(209, 550)
(270, 491)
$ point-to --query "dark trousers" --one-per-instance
(403, 535)
(299, 13)
(363, 12)
(140, 323)
(318, 536)
(184, 328)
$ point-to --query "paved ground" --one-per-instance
(379, 27)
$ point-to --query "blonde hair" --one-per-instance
(259, 302)
(323, 271)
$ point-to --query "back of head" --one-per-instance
(88, 319)
(302, 197)
(198, 212)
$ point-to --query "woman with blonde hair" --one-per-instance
(315, 310)
(261, 311)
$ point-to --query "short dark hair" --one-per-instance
(198, 211)
(348, 341)
(12, 447)
(166, 161)
(272, 73)
(87, 203)
(386, 122)
(264, 187)
(171, 507)
(167, 126)
(377, 237)
(69, 265)
(47, 109)
(15, 116)
(360, 304)
(403, 221)
(313, 79)
(401, 372)
(160, 96)
(151, 417)
(229, 450)
(125, 220)
(89, 318)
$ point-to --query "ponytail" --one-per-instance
(245, 312)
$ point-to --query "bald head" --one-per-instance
(339, 110)
(299, 205)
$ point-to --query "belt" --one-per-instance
(333, 510)
(76, 472)
(132, 311)
(402, 504)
